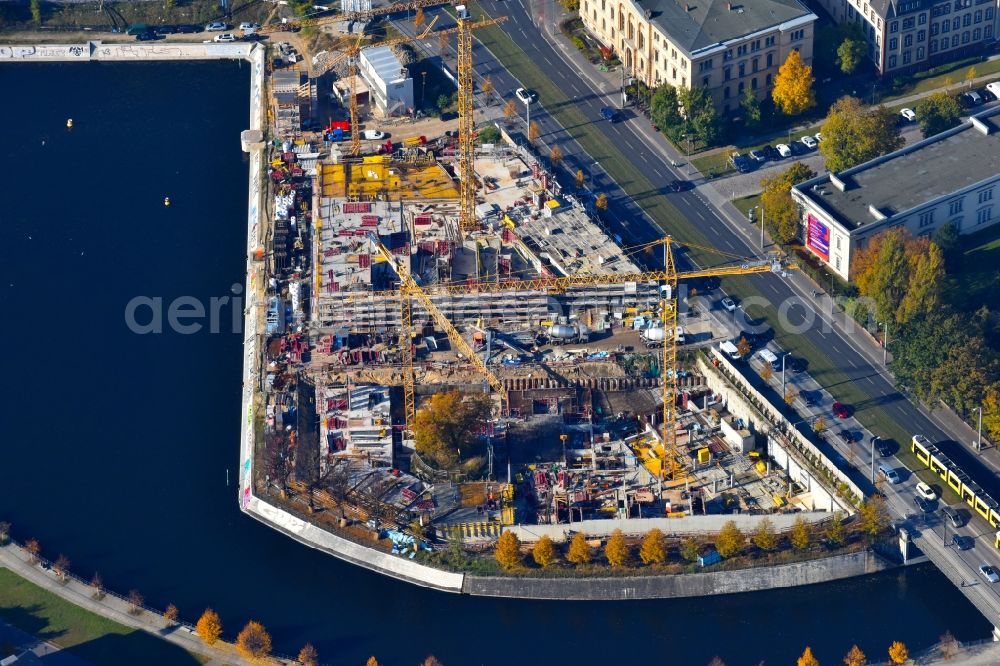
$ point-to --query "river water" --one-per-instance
(116, 445)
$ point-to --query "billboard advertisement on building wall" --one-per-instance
(818, 238)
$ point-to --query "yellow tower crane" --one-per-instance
(669, 278)
(408, 288)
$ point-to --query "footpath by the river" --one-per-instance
(116, 608)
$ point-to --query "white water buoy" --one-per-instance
(166, 201)
(69, 123)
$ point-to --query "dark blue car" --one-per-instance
(609, 114)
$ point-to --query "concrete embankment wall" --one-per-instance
(132, 52)
(684, 585)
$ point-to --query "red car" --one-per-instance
(840, 410)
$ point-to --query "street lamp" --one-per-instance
(761, 206)
(423, 86)
(979, 440)
(783, 375)
(885, 343)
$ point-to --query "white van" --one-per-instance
(680, 335)
(888, 473)
(769, 357)
(994, 88)
(730, 350)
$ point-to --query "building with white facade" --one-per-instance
(389, 82)
(953, 177)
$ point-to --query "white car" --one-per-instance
(372, 135)
(908, 115)
(248, 27)
(729, 304)
(784, 150)
(925, 491)
(225, 37)
(809, 142)
(989, 573)
(526, 96)
(215, 26)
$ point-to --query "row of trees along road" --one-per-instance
(940, 351)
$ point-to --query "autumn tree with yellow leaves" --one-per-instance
(209, 627)
(544, 552)
(616, 550)
(793, 86)
(253, 641)
(508, 550)
(579, 550)
(653, 549)
(898, 654)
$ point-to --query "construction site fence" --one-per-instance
(774, 417)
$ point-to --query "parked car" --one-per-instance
(771, 154)
(798, 148)
(908, 115)
(453, 134)
(216, 26)
(795, 364)
(840, 410)
(925, 506)
(448, 115)
(809, 142)
(526, 95)
(758, 156)
(784, 150)
(372, 135)
(165, 29)
(249, 28)
(609, 114)
(225, 37)
(742, 163)
(986, 94)
(989, 573)
(188, 29)
(145, 37)
(970, 99)
(728, 304)
(882, 446)
(962, 542)
(925, 491)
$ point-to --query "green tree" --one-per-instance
(443, 102)
(781, 213)
(965, 375)
(922, 344)
(937, 113)
(835, 530)
(873, 516)
(923, 291)
(449, 424)
(664, 110)
(793, 86)
(702, 118)
(616, 550)
(855, 657)
(764, 536)
(544, 552)
(751, 106)
(730, 540)
(653, 549)
(36, 11)
(690, 549)
(807, 658)
(991, 412)
(800, 536)
(850, 54)
(950, 244)
(579, 550)
(508, 550)
(853, 134)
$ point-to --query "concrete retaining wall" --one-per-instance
(686, 526)
(133, 52)
(685, 585)
(740, 406)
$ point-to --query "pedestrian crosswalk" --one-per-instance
(474, 530)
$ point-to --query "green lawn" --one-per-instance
(89, 636)
(938, 77)
(744, 204)
(976, 282)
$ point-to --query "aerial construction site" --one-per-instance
(457, 345)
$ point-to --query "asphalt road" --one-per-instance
(629, 220)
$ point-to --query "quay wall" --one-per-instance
(683, 585)
(131, 52)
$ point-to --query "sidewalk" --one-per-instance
(114, 608)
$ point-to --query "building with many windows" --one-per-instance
(726, 47)
(953, 177)
(911, 35)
